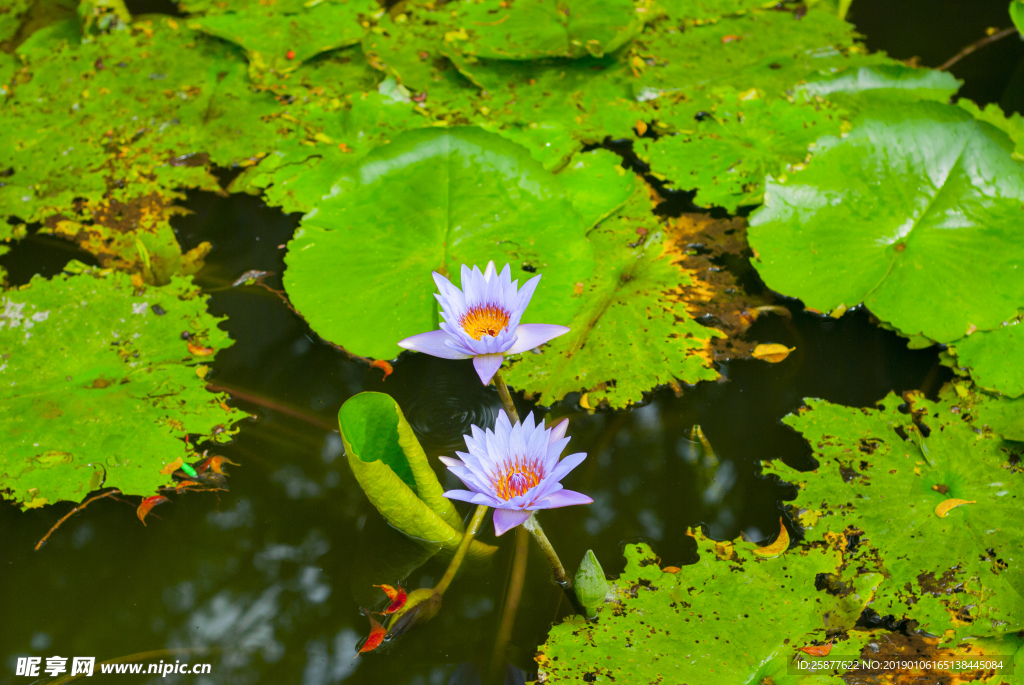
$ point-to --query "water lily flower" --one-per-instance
(515, 470)
(482, 320)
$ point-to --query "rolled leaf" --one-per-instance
(393, 471)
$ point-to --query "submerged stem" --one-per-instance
(460, 553)
(506, 398)
(508, 614)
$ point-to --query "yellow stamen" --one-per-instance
(520, 477)
(488, 320)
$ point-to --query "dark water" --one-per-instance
(274, 571)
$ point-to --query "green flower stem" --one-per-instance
(460, 553)
(531, 523)
(508, 614)
(506, 398)
(557, 569)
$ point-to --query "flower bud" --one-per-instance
(590, 584)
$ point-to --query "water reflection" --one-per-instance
(273, 572)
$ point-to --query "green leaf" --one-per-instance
(81, 349)
(359, 266)
(269, 34)
(543, 28)
(727, 155)
(1003, 416)
(631, 330)
(1017, 14)
(899, 214)
(883, 84)
(995, 358)
(955, 575)
(729, 618)
(393, 471)
(1012, 125)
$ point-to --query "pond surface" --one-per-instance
(273, 573)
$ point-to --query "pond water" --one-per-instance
(273, 572)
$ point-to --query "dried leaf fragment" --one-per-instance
(172, 467)
(951, 503)
(780, 545)
(147, 505)
(772, 353)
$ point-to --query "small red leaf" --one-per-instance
(377, 633)
(382, 365)
(397, 597)
(148, 504)
(818, 650)
(215, 464)
(199, 350)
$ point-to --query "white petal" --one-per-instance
(531, 335)
(434, 343)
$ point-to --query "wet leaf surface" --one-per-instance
(632, 330)
(733, 620)
(79, 349)
(995, 359)
(885, 495)
(898, 214)
(432, 201)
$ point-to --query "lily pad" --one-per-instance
(281, 40)
(393, 471)
(359, 266)
(727, 155)
(898, 214)
(889, 81)
(102, 163)
(1001, 415)
(729, 618)
(79, 350)
(888, 479)
(631, 330)
(995, 359)
(533, 29)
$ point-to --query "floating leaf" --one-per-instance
(955, 576)
(716, 621)
(376, 635)
(1003, 416)
(396, 596)
(882, 84)
(631, 331)
(994, 358)
(393, 471)
(780, 545)
(952, 503)
(270, 34)
(172, 467)
(727, 154)
(898, 214)
(542, 28)
(434, 200)
(88, 346)
(147, 505)
(772, 353)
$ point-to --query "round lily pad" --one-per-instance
(359, 266)
(916, 212)
(98, 387)
(995, 359)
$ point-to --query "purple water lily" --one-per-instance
(515, 470)
(482, 320)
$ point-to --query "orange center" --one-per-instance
(481, 321)
(516, 480)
